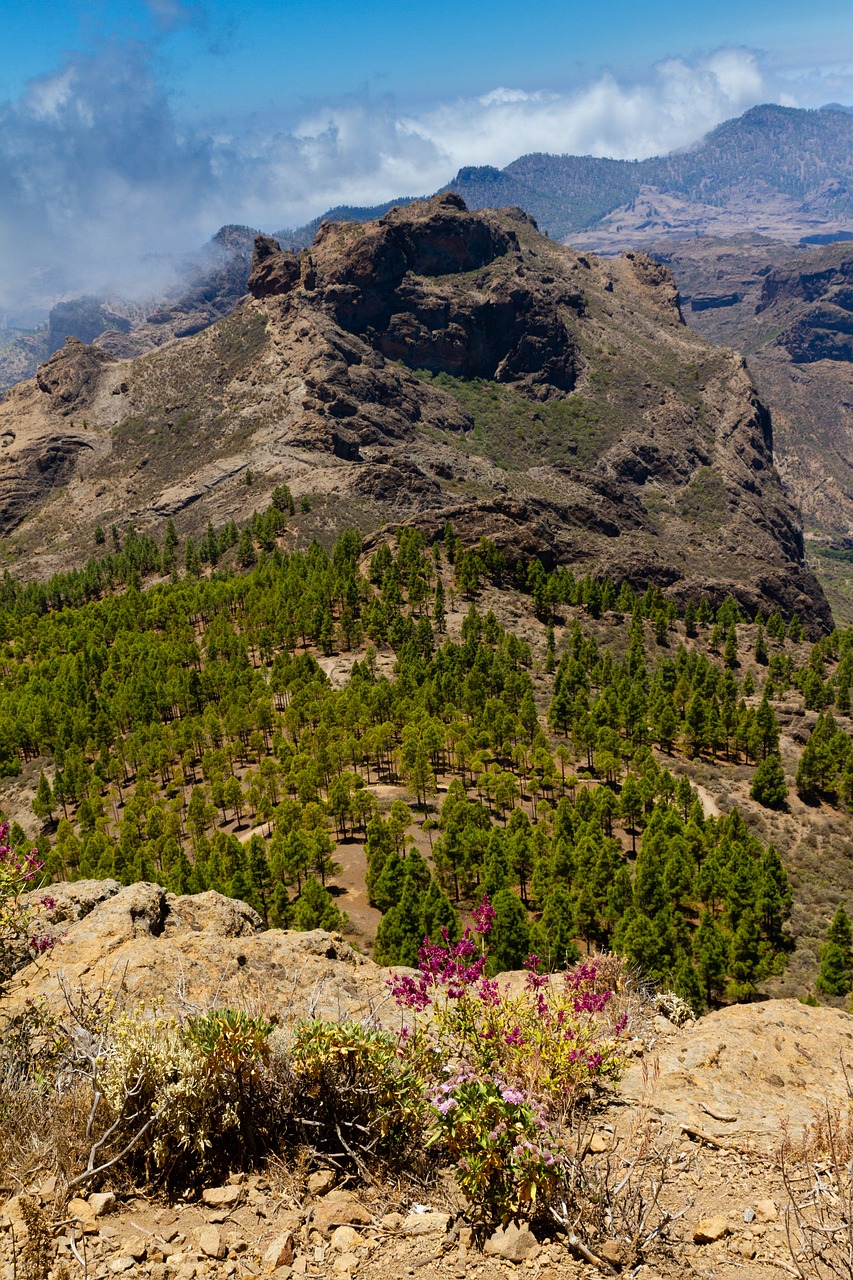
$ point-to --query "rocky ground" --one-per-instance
(702, 1112)
(733, 1227)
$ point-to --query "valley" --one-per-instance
(426, 760)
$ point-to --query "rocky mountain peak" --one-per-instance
(437, 364)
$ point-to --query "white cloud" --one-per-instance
(99, 179)
(675, 107)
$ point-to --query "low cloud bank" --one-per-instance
(102, 184)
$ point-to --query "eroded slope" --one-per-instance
(434, 364)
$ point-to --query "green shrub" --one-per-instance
(198, 1093)
(355, 1087)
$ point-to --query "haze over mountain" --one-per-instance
(777, 171)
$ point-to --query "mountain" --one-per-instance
(777, 171)
(790, 311)
(210, 285)
(436, 364)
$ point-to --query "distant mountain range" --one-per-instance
(777, 171)
(779, 162)
(781, 166)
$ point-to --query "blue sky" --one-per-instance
(135, 129)
(266, 55)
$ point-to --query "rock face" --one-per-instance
(439, 364)
(194, 951)
(71, 376)
(382, 283)
(740, 1074)
(83, 318)
(819, 292)
(793, 316)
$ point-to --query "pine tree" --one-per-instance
(497, 874)
(192, 560)
(509, 941)
(587, 923)
(437, 914)
(730, 652)
(399, 936)
(314, 909)
(685, 982)
(438, 611)
(639, 940)
(552, 938)
(43, 803)
(745, 957)
(836, 957)
(761, 655)
(776, 626)
(281, 913)
(387, 887)
(246, 553)
(774, 899)
(768, 785)
(260, 880)
(711, 956)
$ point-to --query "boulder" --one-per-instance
(210, 1242)
(337, 1209)
(222, 1197)
(515, 1242)
(709, 1230)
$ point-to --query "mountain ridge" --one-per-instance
(436, 364)
(598, 203)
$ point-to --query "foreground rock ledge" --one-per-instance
(738, 1075)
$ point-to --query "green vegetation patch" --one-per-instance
(239, 339)
(704, 502)
(507, 426)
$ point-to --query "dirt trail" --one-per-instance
(709, 804)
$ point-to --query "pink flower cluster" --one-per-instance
(21, 869)
(443, 965)
(582, 981)
(484, 916)
(22, 866)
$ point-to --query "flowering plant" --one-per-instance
(18, 871)
(505, 1156)
(504, 1070)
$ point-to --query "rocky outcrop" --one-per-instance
(744, 1073)
(144, 944)
(438, 364)
(71, 375)
(381, 281)
(273, 272)
(738, 1074)
(816, 296)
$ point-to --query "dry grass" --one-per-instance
(42, 1133)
